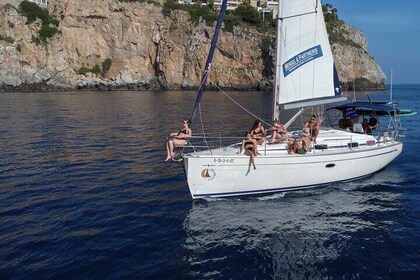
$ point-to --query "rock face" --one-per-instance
(354, 62)
(147, 50)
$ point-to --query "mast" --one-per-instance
(209, 58)
(276, 89)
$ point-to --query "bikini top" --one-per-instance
(248, 142)
(254, 132)
(183, 131)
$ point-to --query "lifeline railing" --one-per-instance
(205, 142)
(211, 141)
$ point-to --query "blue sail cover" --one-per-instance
(365, 106)
(209, 58)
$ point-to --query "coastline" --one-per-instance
(141, 86)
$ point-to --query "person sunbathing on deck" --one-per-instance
(297, 146)
(301, 144)
(279, 132)
(258, 132)
(314, 125)
(179, 139)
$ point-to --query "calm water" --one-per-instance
(84, 193)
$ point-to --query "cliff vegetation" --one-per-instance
(145, 44)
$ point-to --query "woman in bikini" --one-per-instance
(258, 132)
(249, 145)
(179, 139)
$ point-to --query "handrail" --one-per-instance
(217, 140)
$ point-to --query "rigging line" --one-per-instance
(243, 108)
(202, 128)
(297, 15)
(205, 74)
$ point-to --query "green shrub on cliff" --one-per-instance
(106, 65)
(33, 12)
(245, 13)
(196, 11)
(84, 70)
(36, 40)
(248, 14)
(47, 31)
(8, 39)
(230, 21)
(334, 27)
(142, 1)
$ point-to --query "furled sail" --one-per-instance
(305, 67)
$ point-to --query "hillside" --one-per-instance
(113, 44)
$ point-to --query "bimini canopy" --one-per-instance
(365, 108)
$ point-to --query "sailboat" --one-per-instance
(305, 77)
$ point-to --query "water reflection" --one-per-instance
(289, 235)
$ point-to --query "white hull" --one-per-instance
(225, 173)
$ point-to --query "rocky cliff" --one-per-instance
(355, 66)
(110, 44)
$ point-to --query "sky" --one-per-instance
(392, 29)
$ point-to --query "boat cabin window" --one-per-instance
(353, 144)
(321, 147)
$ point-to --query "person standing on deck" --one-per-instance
(373, 121)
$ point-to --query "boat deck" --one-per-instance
(328, 141)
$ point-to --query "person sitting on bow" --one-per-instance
(258, 132)
(179, 139)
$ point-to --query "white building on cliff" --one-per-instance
(40, 2)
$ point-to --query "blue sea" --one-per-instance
(85, 194)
